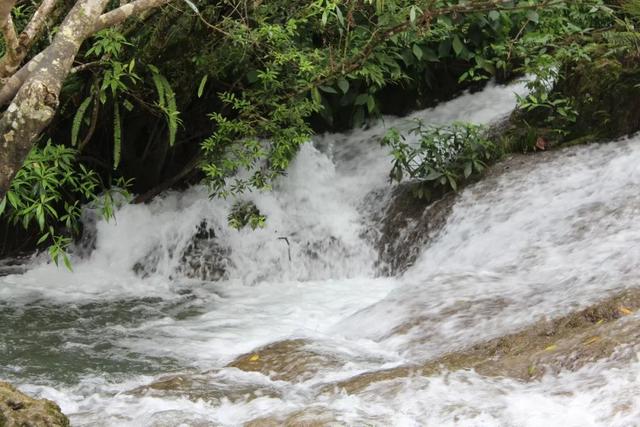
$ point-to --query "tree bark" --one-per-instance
(8, 33)
(35, 103)
(34, 89)
(123, 12)
(19, 45)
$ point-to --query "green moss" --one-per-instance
(18, 409)
(605, 94)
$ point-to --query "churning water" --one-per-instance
(545, 238)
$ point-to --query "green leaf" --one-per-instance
(13, 199)
(433, 175)
(468, 168)
(325, 17)
(315, 95)
(343, 84)
(40, 217)
(202, 83)
(157, 81)
(170, 109)
(67, 262)
(452, 183)
(339, 16)
(127, 105)
(458, 46)
(117, 135)
(371, 104)
(417, 51)
(3, 205)
(77, 120)
(43, 238)
(412, 14)
(361, 99)
(532, 16)
(252, 76)
(494, 15)
(328, 89)
(430, 55)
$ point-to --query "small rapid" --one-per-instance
(164, 321)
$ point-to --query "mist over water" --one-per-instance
(540, 240)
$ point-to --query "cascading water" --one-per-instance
(545, 238)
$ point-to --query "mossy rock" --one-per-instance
(19, 410)
(605, 93)
(566, 343)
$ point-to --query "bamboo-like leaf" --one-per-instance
(157, 81)
(171, 110)
(315, 95)
(201, 87)
(117, 135)
(77, 120)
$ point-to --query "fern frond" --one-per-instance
(632, 7)
(622, 38)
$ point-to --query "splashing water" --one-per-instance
(553, 234)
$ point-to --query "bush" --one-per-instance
(48, 193)
(443, 156)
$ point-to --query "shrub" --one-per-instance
(442, 157)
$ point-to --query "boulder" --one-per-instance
(203, 257)
(19, 410)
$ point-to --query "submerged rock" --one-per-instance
(212, 387)
(308, 417)
(547, 347)
(19, 410)
(289, 360)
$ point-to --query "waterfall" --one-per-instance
(170, 294)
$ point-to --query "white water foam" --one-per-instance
(536, 241)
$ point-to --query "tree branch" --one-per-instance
(123, 12)
(33, 28)
(7, 28)
(11, 85)
(35, 103)
(19, 45)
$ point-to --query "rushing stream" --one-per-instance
(547, 237)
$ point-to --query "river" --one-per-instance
(142, 332)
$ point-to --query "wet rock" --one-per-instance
(604, 93)
(201, 258)
(406, 226)
(308, 417)
(547, 347)
(204, 258)
(19, 410)
(290, 360)
(17, 265)
(210, 387)
(148, 265)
